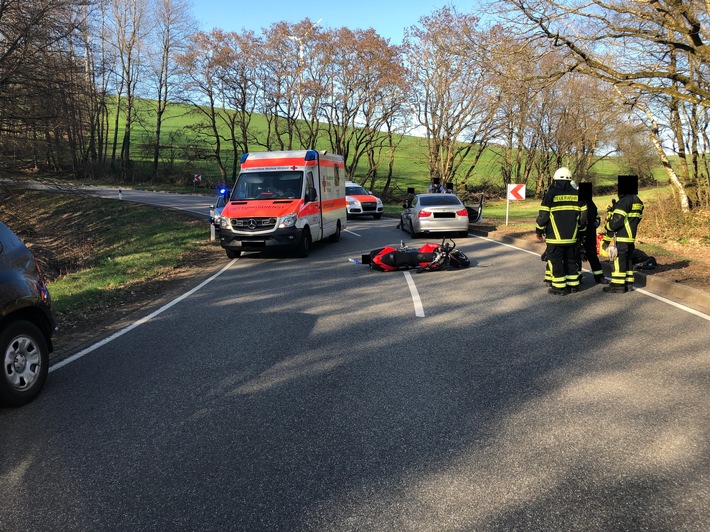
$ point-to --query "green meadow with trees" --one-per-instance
(132, 91)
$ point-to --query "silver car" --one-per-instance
(434, 213)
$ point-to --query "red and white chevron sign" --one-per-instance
(516, 192)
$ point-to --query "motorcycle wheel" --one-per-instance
(458, 259)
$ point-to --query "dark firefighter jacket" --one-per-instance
(561, 216)
(624, 219)
(590, 231)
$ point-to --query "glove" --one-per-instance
(612, 252)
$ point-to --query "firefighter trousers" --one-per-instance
(622, 268)
(590, 249)
(562, 265)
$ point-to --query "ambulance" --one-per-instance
(284, 200)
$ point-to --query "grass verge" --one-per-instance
(99, 255)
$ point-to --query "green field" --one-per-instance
(410, 166)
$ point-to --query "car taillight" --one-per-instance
(423, 214)
(462, 212)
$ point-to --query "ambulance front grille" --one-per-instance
(253, 224)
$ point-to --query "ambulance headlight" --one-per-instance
(379, 202)
(223, 222)
(288, 221)
(353, 202)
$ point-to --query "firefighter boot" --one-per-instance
(557, 291)
(600, 279)
(614, 289)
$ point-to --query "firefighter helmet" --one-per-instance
(563, 173)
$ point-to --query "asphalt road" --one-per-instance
(314, 394)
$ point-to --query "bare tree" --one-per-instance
(37, 61)
(655, 52)
(129, 18)
(238, 89)
(285, 60)
(454, 101)
(365, 73)
(173, 25)
(200, 65)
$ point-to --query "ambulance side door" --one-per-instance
(314, 207)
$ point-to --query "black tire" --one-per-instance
(25, 363)
(463, 234)
(233, 254)
(335, 236)
(303, 248)
(377, 216)
(458, 259)
(401, 224)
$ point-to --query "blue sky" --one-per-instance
(387, 17)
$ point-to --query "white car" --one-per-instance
(361, 202)
(434, 213)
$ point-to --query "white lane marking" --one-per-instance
(640, 290)
(141, 321)
(507, 245)
(418, 308)
(351, 232)
(673, 303)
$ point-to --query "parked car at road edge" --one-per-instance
(27, 322)
(434, 213)
(362, 202)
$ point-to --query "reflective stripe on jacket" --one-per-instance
(625, 218)
(561, 216)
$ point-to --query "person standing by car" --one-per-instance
(589, 236)
(560, 218)
(622, 225)
(436, 186)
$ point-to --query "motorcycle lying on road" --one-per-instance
(429, 257)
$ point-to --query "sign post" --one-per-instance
(515, 193)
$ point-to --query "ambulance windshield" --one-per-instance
(268, 185)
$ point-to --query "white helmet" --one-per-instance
(563, 173)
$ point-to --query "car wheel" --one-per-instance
(377, 216)
(233, 254)
(25, 363)
(335, 236)
(401, 224)
(303, 249)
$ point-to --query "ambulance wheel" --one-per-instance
(303, 248)
(335, 236)
(233, 254)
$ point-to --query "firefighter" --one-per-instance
(589, 235)
(560, 218)
(621, 225)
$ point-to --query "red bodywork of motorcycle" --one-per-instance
(389, 259)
